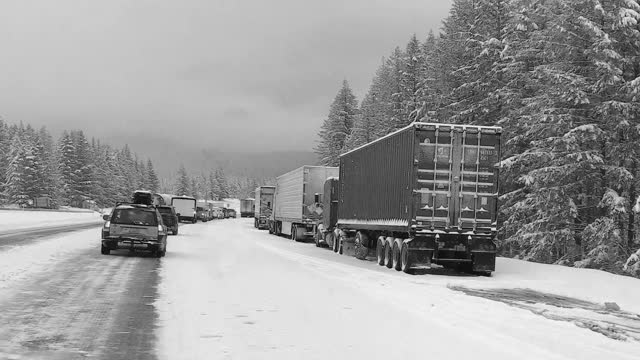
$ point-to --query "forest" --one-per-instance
(562, 78)
(73, 169)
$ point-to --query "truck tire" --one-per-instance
(334, 245)
(175, 232)
(341, 245)
(405, 259)
(397, 262)
(388, 254)
(255, 223)
(104, 250)
(294, 232)
(361, 251)
(380, 250)
(317, 238)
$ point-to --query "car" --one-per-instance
(134, 227)
(169, 218)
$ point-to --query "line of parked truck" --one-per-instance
(425, 194)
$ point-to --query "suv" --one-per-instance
(134, 227)
(169, 218)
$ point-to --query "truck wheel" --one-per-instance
(104, 250)
(175, 232)
(294, 230)
(317, 238)
(405, 258)
(341, 245)
(360, 250)
(388, 254)
(380, 250)
(255, 223)
(397, 262)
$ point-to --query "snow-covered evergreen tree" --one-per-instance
(153, 182)
(183, 186)
(222, 184)
(337, 126)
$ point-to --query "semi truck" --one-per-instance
(185, 207)
(263, 206)
(247, 207)
(427, 193)
(296, 210)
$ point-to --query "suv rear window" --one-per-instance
(164, 210)
(134, 217)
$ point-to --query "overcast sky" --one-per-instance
(232, 73)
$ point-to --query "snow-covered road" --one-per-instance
(228, 291)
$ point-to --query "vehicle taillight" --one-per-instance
(107, 224)
(159, 228)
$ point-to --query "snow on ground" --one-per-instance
(19, 220)
(20, 262)
(228, 291)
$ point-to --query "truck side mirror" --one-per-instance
(106, 217)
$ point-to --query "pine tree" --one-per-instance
(222, 184)
(17, 172)
(153, 182)
(411, 83)
(213, 192)
(183, 183)
(337, 126)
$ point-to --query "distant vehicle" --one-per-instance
(202, 211)
(229, 213)
(218, 212)
(247, 207)
(425, 194)
(263, 206)
(185, 208)
(169, 218)
(296, 210)
(146, 197)
(134, 227)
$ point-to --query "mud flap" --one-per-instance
(483, 261)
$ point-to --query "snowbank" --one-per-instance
(586, 284)
(19, 220)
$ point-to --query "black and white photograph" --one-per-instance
(330, 180)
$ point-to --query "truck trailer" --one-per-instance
(427, 193)
(185, 207)
(263, 206)
(247, 207)
(296, 210)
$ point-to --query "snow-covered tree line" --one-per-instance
(562, 77)
(215, 185)
(69, 170)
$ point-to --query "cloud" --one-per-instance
(191, 68)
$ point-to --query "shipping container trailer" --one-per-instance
(185, 208)
(296, 210)
(424, 194)
(263, 206)
(247, 207)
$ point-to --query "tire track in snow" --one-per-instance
(80, 307)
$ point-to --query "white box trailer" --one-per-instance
(185, 207)
(296, 210)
